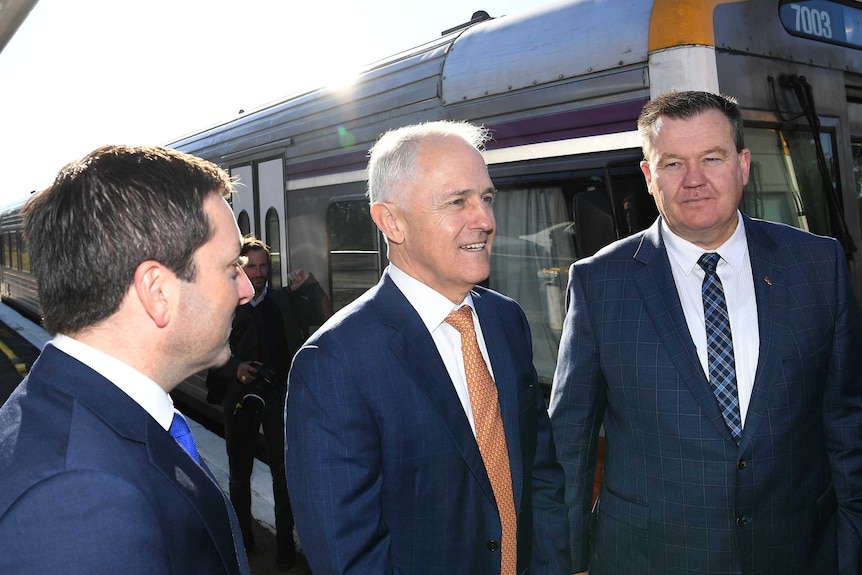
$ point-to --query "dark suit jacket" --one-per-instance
(678, 495)
(288, 318)
(384, 471)
(90, 483)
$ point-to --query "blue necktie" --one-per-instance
(180, 431)
(719, 345)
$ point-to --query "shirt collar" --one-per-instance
(432, 306)
(685, 254)
(143, 390)
(256, 301)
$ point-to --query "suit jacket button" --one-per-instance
(740, 464)
(741, 521)
(492, 545)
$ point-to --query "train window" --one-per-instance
(273, 240)
(633, 206)
(16, 250)
(25, 256)
(354, 253)
(784, 185)
(243, 223)
(7, 249)
(546, 223)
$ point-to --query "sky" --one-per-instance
(80, 74)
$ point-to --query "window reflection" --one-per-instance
(545, 225)
(354, 256)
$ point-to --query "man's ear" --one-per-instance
(154, 286)
(647, 172)
(388, 218)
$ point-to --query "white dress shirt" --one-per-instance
(433, 308)
(734, 271)
(255, 301)
(143, 390)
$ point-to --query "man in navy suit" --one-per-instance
(383, 461)
(771, 481)
(138, 261)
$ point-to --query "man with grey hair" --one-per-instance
(417, 436)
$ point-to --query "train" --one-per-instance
(560, 87)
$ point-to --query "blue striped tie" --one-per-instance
(719, 345)
(180, 431)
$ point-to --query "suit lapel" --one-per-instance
(500, 353)
(654, 281)
(771, 295)
(130, 421)
(199, 486)
(413, 347)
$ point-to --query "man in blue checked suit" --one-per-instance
(137, 256)
(409, 450)
(722, 357)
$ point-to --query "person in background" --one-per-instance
(417, 436)
(723, 356)
(266, 333)
(136, 254)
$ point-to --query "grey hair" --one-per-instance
(393, 158)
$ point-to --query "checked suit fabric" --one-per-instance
(490, 434)
(719, 344)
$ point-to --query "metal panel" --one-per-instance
(270, 176)
(754, 26)
(548, 45)
(304, 127)
(327, 132)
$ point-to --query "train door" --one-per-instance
(259, 209)
(332, 236)
(270, 180)
(243, 200)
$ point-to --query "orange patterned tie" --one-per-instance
(490, 434)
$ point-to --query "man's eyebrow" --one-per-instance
(489, 190)
(714, 150)
(710, 151)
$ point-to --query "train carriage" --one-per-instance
(561, 88)
(17, 282)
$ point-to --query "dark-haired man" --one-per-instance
(267, 331)
(723, 355)
(137, 256)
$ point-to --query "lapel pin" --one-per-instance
(767, 280)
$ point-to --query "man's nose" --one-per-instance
(482, 217)
(694, 177)
(245, 289)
